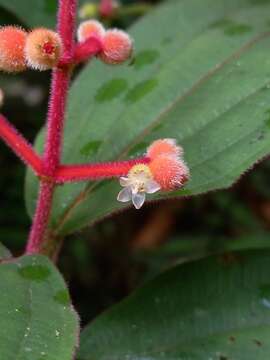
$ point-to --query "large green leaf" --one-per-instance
(37, 320)
(216, 309)
(201, 74)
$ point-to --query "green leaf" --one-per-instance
(33, 12)
(37, 320)
(211, 309)
(4, 252)
(201, 74)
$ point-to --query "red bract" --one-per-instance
(12, 42)
(117, 47)
(164, 146)
(90, 28)
(169, 171)
(43, 49)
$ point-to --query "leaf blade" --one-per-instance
(209, 308)
(36, 316)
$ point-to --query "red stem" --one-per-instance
(86, 50)
(19, 145)
(55, 125)
(71, 173)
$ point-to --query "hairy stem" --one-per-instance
(86, 50)
(72, 173)
(55, 126)
(20, 146)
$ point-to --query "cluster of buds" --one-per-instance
(166, 171)
(42, 49)
(116, 45)
(39, 49)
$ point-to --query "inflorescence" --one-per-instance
(162, 168)
(42, 49)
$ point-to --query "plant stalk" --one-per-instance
(55, 127)
(75, 173)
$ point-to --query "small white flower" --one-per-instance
(137, 183)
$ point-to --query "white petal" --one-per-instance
(138, 200)
(134, 189)
(152, 187)
(124, 181)
(124, 195)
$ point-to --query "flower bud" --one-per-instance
(43, 49)
(117, 47)
(90, 28)
(164, 146)
(12, 42)
(169, 172)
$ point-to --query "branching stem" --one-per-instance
(48, 167)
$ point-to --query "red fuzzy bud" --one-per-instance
(90, 28)
(164, 146)
(12, 42)
(117, 47)
(169, 172)
(43, 49)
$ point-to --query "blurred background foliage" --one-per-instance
(104, 263)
